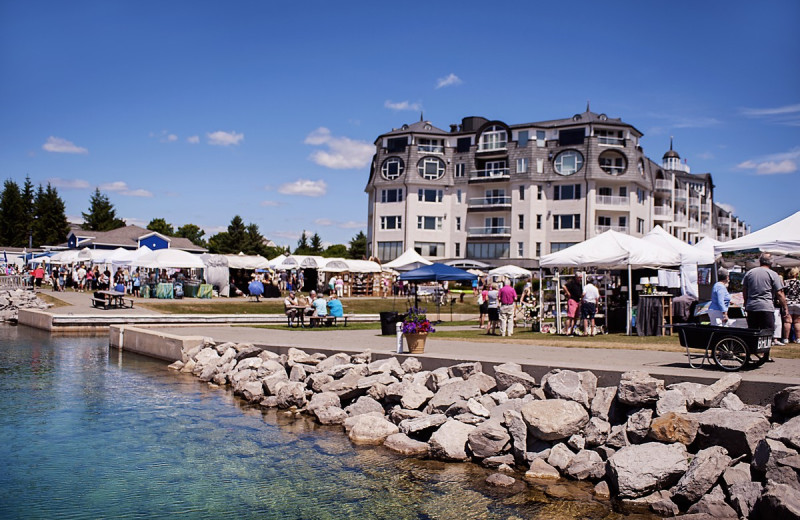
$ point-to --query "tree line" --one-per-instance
(31, 217)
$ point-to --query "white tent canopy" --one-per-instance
(409, 260)
(342, 265)
(612, 250)
(243, 261)
(690, 257)
(781, 239)
(510, 271)
(169, 259)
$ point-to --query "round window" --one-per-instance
(612, 162)
(392, 168)
(568, 162)
(431, 168)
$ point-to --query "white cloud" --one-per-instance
(705, 155)
(350, 224)
(123, 189)
(220, 138)
(448, 80)
(171, 138)
(270, 203)
(291, 235)
(59, 145)
(402, 105)
(786, 115)
(193, 139)
(323, 222)
(774, 164)
(135, 222)
(68, 184)
(75, 219)
(304, 187)
(343, 153)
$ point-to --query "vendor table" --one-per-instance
(205, 291)
(164, 291)
(654, 315)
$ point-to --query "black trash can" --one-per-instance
(388, 322)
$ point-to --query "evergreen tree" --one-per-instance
(102, 216)
(358, 246)
(232, 241)
(28, 200)
(14, 226)
(302, 245)
(193, 233)
(316, 244)
(51, 226)
(159, 225)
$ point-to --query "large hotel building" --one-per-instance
(499, 193)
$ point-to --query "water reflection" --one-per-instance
(92, 434)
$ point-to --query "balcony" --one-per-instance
(492, 146)
(491, 231)
(724, 221)
(663, 185)
(612, 200)
(493, 174)
(489, 203)
(680, 197)
(694, 201)
(679, 219)
(430, 148)
(662, 212)
(610, 141)
(602, 229)
(705, 207)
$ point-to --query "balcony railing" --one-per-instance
(662, 211)
(680, 197)
(494, 173)
(612, 200)
(602, 229)
(694, 201)
(679, 218)
(724, 221)
(611, 141)
(492, 146)
(705, 207)
(489, 202)
(430, 148)
(491, 231)
(663, 185)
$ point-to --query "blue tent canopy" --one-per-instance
(437, 272)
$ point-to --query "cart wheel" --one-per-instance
(730, 354)
(758, 359)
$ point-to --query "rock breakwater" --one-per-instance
(12, 300)
(682, 449)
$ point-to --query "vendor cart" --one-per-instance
(731, 348)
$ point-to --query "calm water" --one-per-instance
(87, 433)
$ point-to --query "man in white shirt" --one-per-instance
(589, 305)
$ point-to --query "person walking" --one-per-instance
(720, 299)
(761, 286)
(493, 306)
(508, 297)
(573, 291)
(589, 299)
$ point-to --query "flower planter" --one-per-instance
(416, 342)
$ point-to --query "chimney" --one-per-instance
(453, 129)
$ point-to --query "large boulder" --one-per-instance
(554, 419)
(596, 431)
(674, 427)
(369, 429)
(403, 444)
(448, 394)
(586, 464)
(704, 470)
(330, 415)
(788, 433)
(565, 384)
(449, 442)
(787, 401)
(714, 506)
(465, 370)
(637, 388)
(415, 396)
(490, 438)
(671, 401)
(291, 394)
(778, 502)
(421, 424)
(638, 425)
(641, 469)
(484, 381)
(346, 387)
(711, 396)
(540, 469)
(560, 456)
(362, 405)
(509, 373)
(737, 432)
(518, 431)
(773, 460)
(603, 401)
(335, 360)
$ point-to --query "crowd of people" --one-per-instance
(296, 306)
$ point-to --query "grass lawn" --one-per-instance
(55, 301)
(354, 326)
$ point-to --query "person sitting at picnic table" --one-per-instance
(335, 307)
(290, 304)
(320, 307)
(310, 309)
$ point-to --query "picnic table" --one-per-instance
(111, 300)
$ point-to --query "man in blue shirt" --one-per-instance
(335, 306)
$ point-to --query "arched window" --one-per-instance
(493, 138)
(568, 162)
(612, 162)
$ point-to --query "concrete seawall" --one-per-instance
(159, 345)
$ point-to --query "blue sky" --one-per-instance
(198, 111)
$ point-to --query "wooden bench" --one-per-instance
(329, 320)
(100, 302)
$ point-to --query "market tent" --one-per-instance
(690, 257)
(108, 256)
(216, 272)
(363, 266)
(510, 271)
(437, 272)
(169, 259)
(335, 265)
(65, 257)
(466, 264)
(706, 245)
(243, 261)
(782, 239)
(408, 261)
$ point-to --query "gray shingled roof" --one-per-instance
(422, 127)
(128, 237)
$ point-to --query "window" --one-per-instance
(604, 222)
(458, 196)
(568, 162)
(567, 192)
(429, 248)
(427, 145)
(571, 137)
(458, 249)
(493, 168)
(393, 195)
(522, 139)
(522, 165)
(623, 222)
(605, 191)
(430, 195)
(522, 193)
(640, 226)
(494, 138)
(538, 221)
(388, 251)
(538, 249)
(494, 225)
(623, 191)
(641, 195)
(520, 249)
(539, 192)
(392, 222)
(612, 162)
(433, 223)
(458, 223)
(431, 168)
(396, 145)
(463, 144)
(460, 169)
(609, 137)
(496, 196)
(521, 221)
(539, 165)
(488, 250)
(392, 168)
(558, 246)
(540, 139)
(567, 221)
